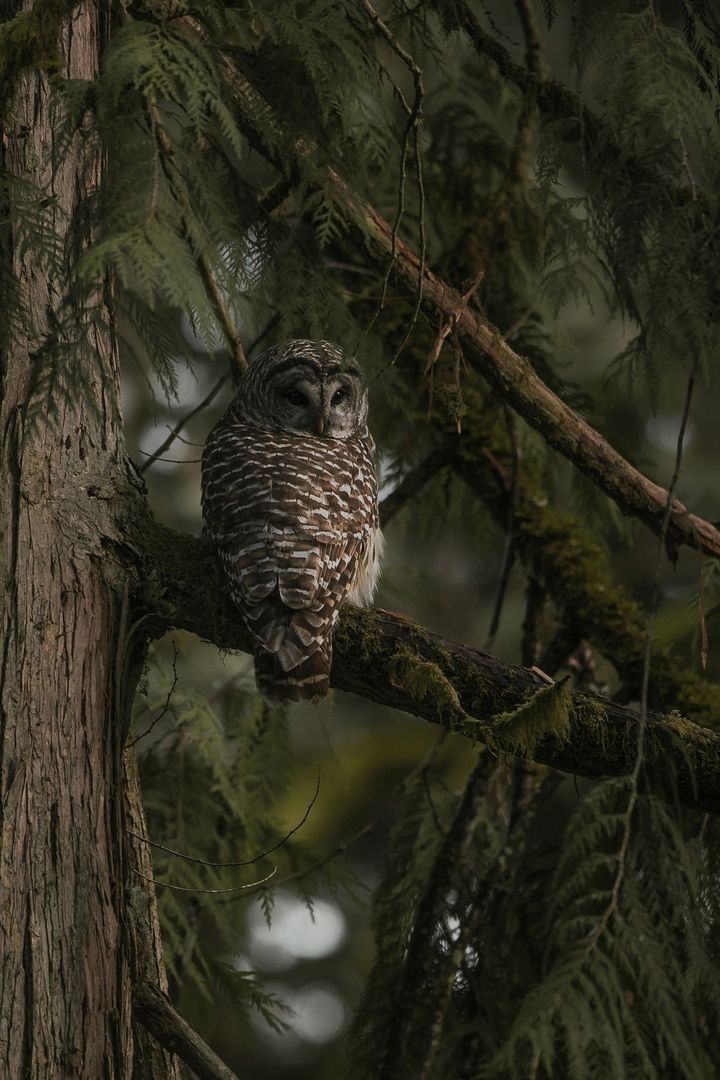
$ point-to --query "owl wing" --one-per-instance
(291, 525)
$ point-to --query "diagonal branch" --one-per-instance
(394, 661)
(515, 381)
(572, 567)
(511, 376)
(414, 481)
(155, 1012)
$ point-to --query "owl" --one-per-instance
(290, 502)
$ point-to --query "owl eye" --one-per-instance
(338, 396)
(296, 398)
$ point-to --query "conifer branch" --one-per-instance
(557, 552)
(406, 1038)
(639, 764)
(392, 660)
(515, 380)
(511, 375)
(213, 290)
(154, 1010)
(555, 100)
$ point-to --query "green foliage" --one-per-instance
(201, 799)
(218, 125)
(585, 959)
(627, 983)
(415, 844)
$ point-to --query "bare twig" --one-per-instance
(183, 421)
(412, 130)
(246, 862)
(207, 400)
(509, 552)
(209, 892)
(154, 1010)
(420, 769)
(165, 707)
(639, 764)
(170, 460)
(451, 323)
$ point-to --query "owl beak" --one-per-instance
(320, 424)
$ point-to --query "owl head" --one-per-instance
(307, 387)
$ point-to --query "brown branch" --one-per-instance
(512, 376)
(394, 661)
(515, 380)
(213, 290)
(573, 568)
(154, 1010)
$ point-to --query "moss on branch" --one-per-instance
(558, 552)
(396, 662)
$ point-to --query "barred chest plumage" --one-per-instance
(295, 522)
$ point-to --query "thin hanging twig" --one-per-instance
(422, 766)
(129, 745)
(207, 400)
(412, 129)
(211, 892)
(509, 552)
(246, 862)
(614, 902)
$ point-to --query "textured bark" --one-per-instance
(66, 662)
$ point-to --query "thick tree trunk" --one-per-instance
(67, 946)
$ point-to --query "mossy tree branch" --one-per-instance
(515, 381)
(394, 661)
(557, 552)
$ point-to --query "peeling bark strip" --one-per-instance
(395, 662)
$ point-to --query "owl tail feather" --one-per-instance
(307, 681)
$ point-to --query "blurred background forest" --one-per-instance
(588, 280)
